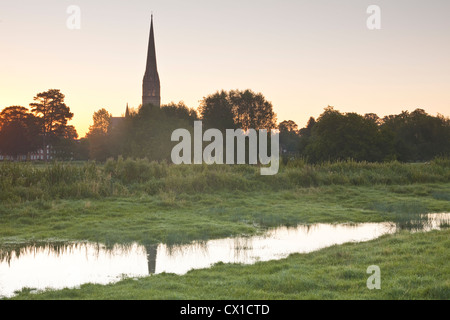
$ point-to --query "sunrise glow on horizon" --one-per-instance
(301, 55)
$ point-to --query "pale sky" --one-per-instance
(303, 55)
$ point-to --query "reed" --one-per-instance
(125, 177)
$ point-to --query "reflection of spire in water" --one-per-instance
(242, 247)
(151, 257)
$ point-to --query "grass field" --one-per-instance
(128, 201)
(178, 218)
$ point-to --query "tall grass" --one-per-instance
(26, 181)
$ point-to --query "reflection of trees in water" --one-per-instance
(9, 251)
(16, 250)
(413, 222)
(421, 222)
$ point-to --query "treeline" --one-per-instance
(146, 132)
(333, 136)
(143, 133)
(24, 131)
(406, 137)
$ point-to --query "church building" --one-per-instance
(151, 89)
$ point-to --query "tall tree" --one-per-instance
(289, 138)
(251, 110)
(53, 115)
(64, 147)
(18, 131)
(102, 122)
(180, 111)
(305, 135)
(237, 109)
(338, 136)
(216, 111)
(288, 126)
(147, 134)
(98, 135)
(418, 136)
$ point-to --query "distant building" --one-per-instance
(38, 155)
(151, 89)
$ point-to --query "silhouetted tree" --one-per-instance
(53, 115)
(147, 134)
(102, 122)
(98, 135)
(417, 136)
(237, 109)
(373, 117)
(18, 131)
(180, 111)
(81, 149)
(64, 146)
(216, 111)
(289, 138)
(288, 126)
(305, 136)
(251, 110)
(338, 136)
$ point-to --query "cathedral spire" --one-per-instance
(151, 90)
(127, 112)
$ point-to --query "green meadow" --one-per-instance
(126, 201)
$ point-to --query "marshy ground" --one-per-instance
(129, 201)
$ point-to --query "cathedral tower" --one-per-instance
(151, 89)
